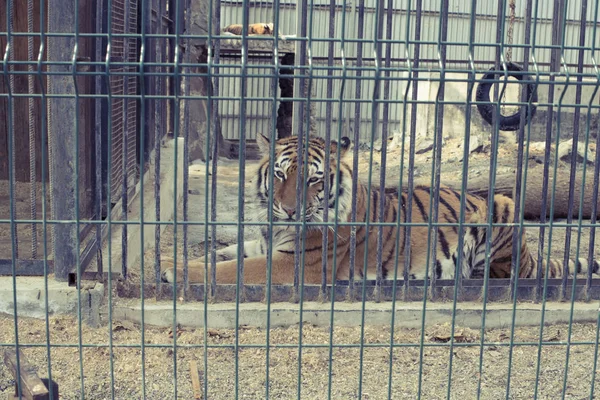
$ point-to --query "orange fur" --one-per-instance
(253, 29)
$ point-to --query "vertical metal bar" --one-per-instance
(32, 130)
(303, 144)
(593, 217)
(576, 115)
(518, 218)
(175, 54)
(438, 138)
(97, 137)
(572, 180)
(549, 124)
(371, 194)
(43, 137)
(357, 119)
(269, 227)
(559, 16)
(521, 174)
(125, 113)
(213, 110)
(8, 70)
(384, 139)
(326, 181)
(336, 180)
(458, 272)
(240, 292)
(412, 144)
(300, 72)
(11, 147)
(298, 119)
(144, 45)
(158, 128)
(75, 151)
(109, 136)
(186, 18)
(401, 221)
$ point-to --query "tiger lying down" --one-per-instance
(283, 237)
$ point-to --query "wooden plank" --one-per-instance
(195, 380)
(25, 267)
(32, 387)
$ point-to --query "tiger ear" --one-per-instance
(264, 144)
(344, 146)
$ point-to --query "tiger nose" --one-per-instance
(289, 211)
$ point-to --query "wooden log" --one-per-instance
(32, 387)
(533, 190)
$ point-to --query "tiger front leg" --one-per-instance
(255, 271)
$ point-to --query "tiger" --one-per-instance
(395, 203)
(253, 29)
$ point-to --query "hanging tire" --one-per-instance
(505, 122)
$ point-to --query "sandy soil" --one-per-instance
(284, 362)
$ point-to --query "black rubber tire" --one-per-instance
(505, 122)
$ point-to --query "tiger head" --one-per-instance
(285, 177)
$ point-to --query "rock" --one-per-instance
(565, 148)
(423, 145)
(475, 144)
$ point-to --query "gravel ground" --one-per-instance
(283, 362)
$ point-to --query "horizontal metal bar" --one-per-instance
(329, 223)
(304, 345)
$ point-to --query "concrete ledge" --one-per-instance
(408, 315)
(62, 299)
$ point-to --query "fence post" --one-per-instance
(61, 136)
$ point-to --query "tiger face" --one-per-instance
(313, 174)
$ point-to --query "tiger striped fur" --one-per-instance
(395, 203)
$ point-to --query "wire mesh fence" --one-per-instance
(409, 154)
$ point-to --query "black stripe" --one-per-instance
(495, 216)
(374, 197)
(451, 209)
(420, 207)
(471, 204)
(454, 192)
(503, 260)
(444, 243)
(260, 179)
(438, 269)
(506, 213)
(501, 246)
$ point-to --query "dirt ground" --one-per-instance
(452, 165)
(284, 362)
